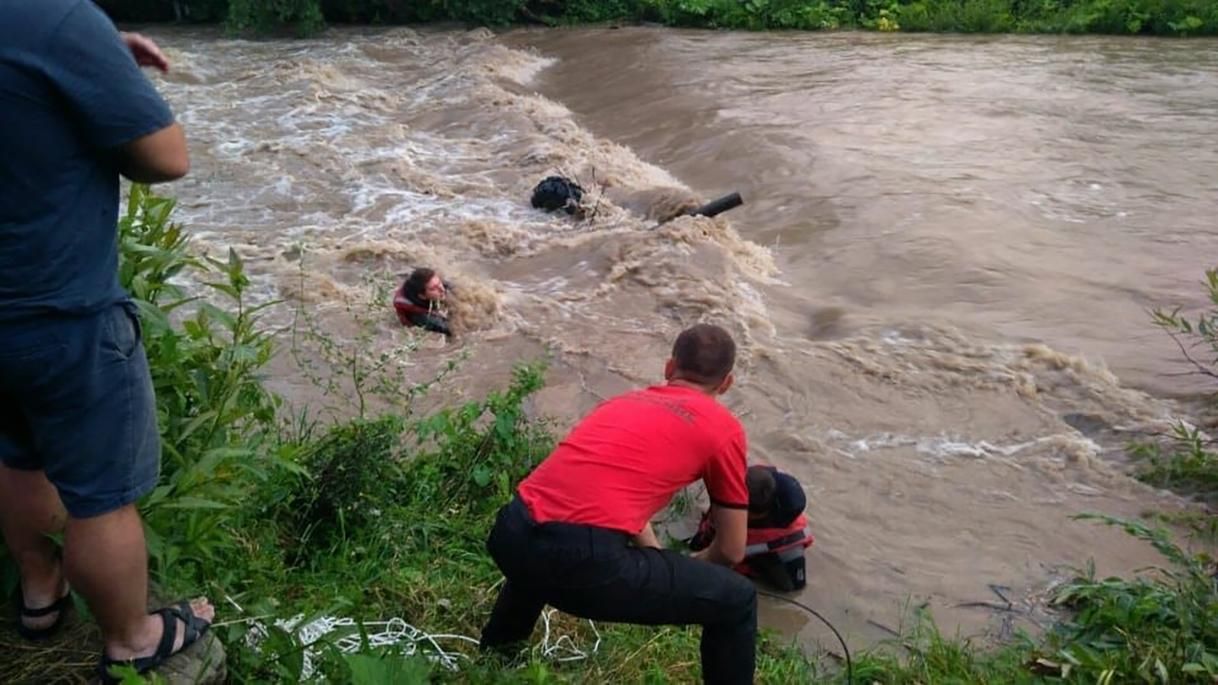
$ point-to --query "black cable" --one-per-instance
(810, 610)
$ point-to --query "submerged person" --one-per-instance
(577, 535)
(778, 534)
(420, 301)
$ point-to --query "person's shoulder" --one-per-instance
(39, 16)
(31, 21)
(786, 481)
(723, 417)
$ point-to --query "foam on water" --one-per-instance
(339, 166)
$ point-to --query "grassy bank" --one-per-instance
(276, 516)
(1133, 17)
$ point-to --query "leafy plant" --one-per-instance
(480, 450)
(350, 479)
(1184, 461)
(212, 409)
(1189, 466)
(1162, 628)
(1201, 332)
(373, 669)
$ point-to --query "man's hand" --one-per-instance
(731, 531)
(146, 52)
(647, 538)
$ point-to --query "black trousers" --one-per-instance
(595, 573)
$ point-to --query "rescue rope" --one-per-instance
(814, 612)
(397, 632)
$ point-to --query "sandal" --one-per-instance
(36, 634)
(195, 628)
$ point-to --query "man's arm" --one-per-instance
(160, 156)
(729, 496)
(156, 157)
(118, 110)
(647, 537)
(731, 532)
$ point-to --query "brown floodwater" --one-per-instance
(940, 278)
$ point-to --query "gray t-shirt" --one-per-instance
(70, 95)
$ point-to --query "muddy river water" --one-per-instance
(939, 279)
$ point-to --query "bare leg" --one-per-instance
(107, 563)
(30, 510)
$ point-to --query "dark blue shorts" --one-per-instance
(76, 401)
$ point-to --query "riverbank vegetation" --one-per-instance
(1186, 461)
(1133, 17)
(282, 519)
(275, 515)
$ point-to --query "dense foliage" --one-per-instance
(1153, 17)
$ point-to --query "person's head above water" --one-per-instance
(762, 490)
(703, 356)
(424, 284)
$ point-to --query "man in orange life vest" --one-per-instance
(778, 530)
(578, 537)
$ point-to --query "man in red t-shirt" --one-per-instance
(578, 535)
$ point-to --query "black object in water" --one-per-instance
(712, 208)
(557, 192)
(720, 205)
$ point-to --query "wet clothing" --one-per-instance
(566, 538)
(775, 544)
(595, 573)
(626, 459)
(76, 396)
(415, 311)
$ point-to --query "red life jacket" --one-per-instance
(404, 307)
(795, 537)
(788, 543)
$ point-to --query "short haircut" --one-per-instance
(704, 354)
(762, 486)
